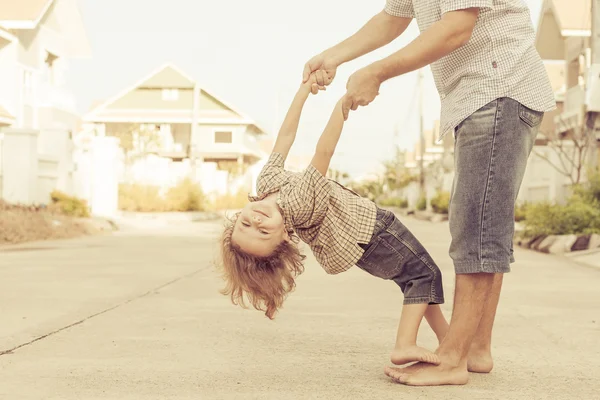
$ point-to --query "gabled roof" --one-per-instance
(171, 76)
(28, 14)
(574, 17)
(22, 14)
(6, 117)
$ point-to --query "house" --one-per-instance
(37, 39)
(563, 41)
(189, 120)
(434, 151)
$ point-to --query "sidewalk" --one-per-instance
(139, 316)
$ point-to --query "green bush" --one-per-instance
(185, 196)
(589, 191)
(576, 217)
(69, 205)
(521, 211)
(144, 198)
(230, 201)
(397, 202)
(440, 203)
(422, 204)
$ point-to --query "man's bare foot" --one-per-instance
(405, 355)
(480, 362)
(429, 375)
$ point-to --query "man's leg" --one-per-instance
(491, 153)
(480, 353)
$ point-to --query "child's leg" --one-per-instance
(437, 321)
(406, 349)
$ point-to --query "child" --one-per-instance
(260, 257)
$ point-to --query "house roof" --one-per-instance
(573, 14)
(22, 14)
(6, 117)
(173, 77)
(573, 17)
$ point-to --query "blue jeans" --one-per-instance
(490, 155)
(395, 254)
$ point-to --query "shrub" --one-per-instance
(69, 205)
(589, 191)
(185, 196)
(521, 211)
(422, 204)
(229, 201)
(577, 217)
(144, 198)
(440, 203)
(397, 202)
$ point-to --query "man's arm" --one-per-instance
(452, 31)
(289, 127)
(328, 140)
(377, 32)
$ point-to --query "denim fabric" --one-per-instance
(490, 155)
(395, 254)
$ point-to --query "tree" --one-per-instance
(571, 150)
(137, 140)
(337, 175)
(396, 175)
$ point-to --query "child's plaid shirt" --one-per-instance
(330, 218)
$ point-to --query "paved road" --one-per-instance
(138, 316)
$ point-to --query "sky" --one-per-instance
(251, 54)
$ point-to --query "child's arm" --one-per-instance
(289, 127)
(328, 140)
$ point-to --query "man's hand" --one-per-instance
(361, 89)
(324, 62)
(312, 85)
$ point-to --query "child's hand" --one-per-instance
(312, 85)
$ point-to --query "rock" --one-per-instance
(439, 217)
(534, 242)
(563, 244)
(594, 242)
(546, 243)
(581, 243)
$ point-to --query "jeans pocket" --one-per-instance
(381, 259)
(531, 117)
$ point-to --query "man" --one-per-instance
(494, 92)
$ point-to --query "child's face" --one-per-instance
(259, 228)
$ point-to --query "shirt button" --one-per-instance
(494, 64)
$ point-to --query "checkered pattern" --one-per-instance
(330, 218)
(500, 60)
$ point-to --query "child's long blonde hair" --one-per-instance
(265, 281)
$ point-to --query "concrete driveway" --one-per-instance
(138, 315)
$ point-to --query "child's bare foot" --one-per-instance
(480, 361)
(405, 355)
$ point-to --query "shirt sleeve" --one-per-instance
(309, 198)
(271, 176)
(455, 5)
(400, 8)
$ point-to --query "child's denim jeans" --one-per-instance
(395, 254)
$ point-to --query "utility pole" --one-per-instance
(422, 190)
(595, 61)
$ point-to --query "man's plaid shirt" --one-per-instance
(330, 218)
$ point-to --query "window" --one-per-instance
(170, 94)
(223, 137)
